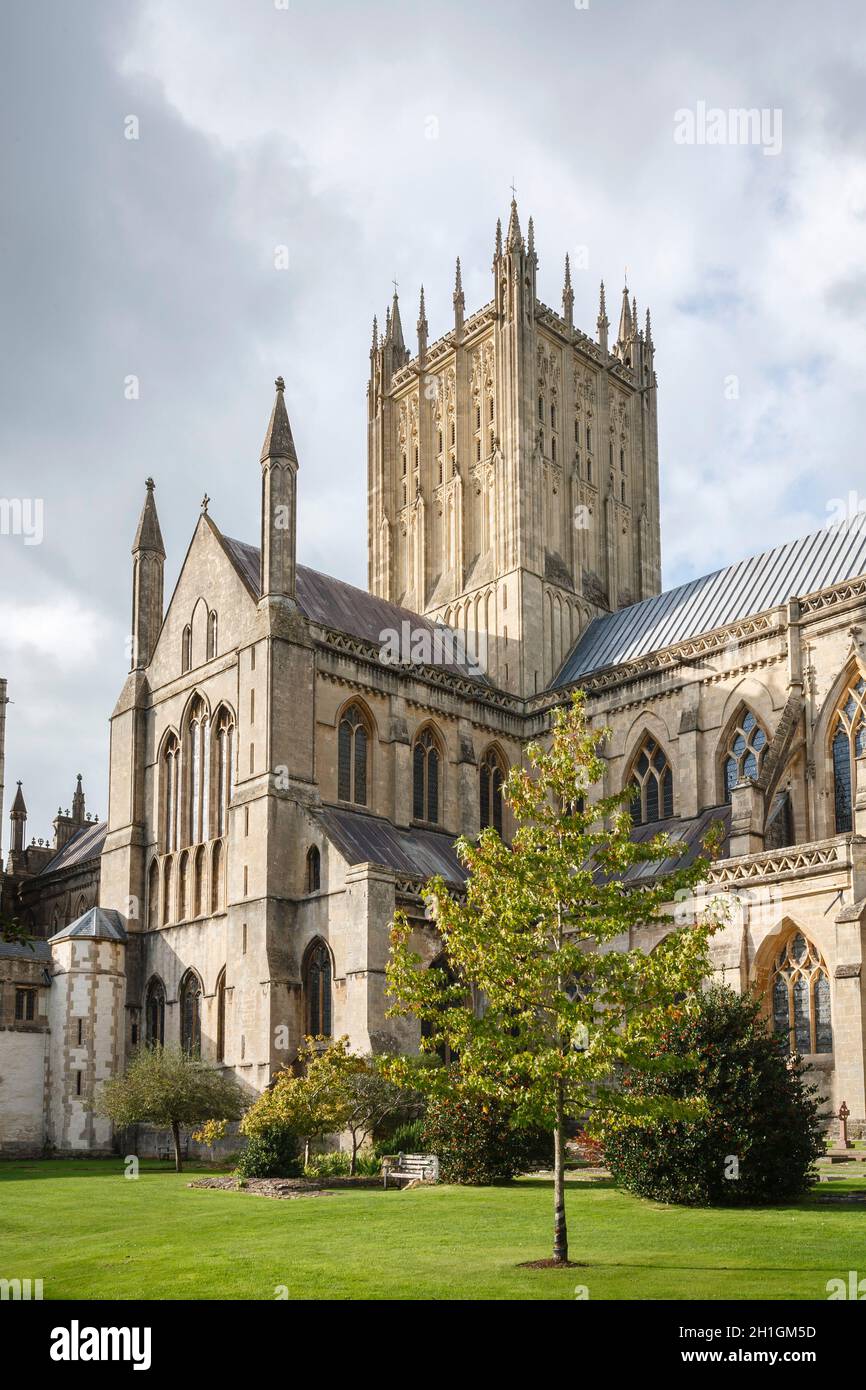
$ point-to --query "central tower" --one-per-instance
(513, 469)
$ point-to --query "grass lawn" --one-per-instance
(90, 1233)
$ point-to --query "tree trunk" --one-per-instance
(560, 1231)
(353, 1164)
(175, 1134)
(306, 1153)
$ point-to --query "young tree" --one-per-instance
(545, 998)
(338, 1090)
(168, 1088)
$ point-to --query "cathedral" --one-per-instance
(292, 757)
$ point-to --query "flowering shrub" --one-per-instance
(756, 1133)
(474, 1142)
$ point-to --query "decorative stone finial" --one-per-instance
(149, 484)
(280, 384)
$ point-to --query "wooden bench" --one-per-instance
(410, 1168)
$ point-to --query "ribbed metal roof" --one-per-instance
(415, 853)
(333, 603)
(798, 568)
(85, 844)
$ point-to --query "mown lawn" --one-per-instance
(90, 1233)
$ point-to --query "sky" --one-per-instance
(199, 195)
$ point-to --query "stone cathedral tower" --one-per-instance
(513, 469)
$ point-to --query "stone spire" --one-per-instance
(497, 248)
(459, 300)
(513, 239)
(279, 503)
(602, 322)
(530, 238)
(279, 443)
(422, 327)
(375, 344)
(78, 802)
(648, 335)
(148, 563)
(396, 334)
(18, 817)
(568, 295)
(626, 329)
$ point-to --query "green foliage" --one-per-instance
(538, 935)
(13, 930)
(337, 1090)
(168, 1088)
(756, 1135)
(330, 1165)
(271, 1153)
(405, 1139)
(475, 1143)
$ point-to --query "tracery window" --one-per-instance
(225, 735)
(154, 1014)
(746, 750)
(198, 773)
(425, 778)
(170, 800)
(317, 990)
(652, 776)
(190, 1013)
(801, 997)
(490, 782)
(849, 741)
(352, 746)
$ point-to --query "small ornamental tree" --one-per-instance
(338, 1090)
(542, 942)
(757, 1134)
(168, 1088)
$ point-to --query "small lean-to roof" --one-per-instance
(97, 924)
(85, 844)
(411, 853)
(342, 607)
(800, 567)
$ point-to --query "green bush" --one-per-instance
(406, 1139)
(275, 1153)
(329, 1165)
(474, 1142)
(757, 1135)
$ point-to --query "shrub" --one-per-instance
(756, 1134)
(406, 1139)
(272, 1153)
(474, 1142)
(330, 1165)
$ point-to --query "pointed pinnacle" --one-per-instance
(499, 236)
(567, 272)
(602, 307)
(278, 439)
(458, 279)
(375, 333)
(148, 535)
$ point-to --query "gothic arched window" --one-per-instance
(216, 877)
(224, 753)
(747, 746)
(221, 1016)
(314, 870)
(170, 788)
(352, 757)
(186, 649)
(198, 772)
(153, 896)
(211, 635)
(801, 997)
(317, 990)
(154, 1014)
(849, 741)
(425, 778)
(490, 781)
(190, 1013)
(651, 774)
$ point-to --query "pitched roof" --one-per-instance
(21, 949)
(691, 832)
(85, 844)
(764, 581)
(97, 924)
(362, 838)
(332, 603)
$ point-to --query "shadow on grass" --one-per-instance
(19, 1170)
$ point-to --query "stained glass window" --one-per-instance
(317, 990)
(746, 750)
(491, 779)
(352, 757)
(425, 778)
(849, 741)
(801, 997)
(654, 780)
